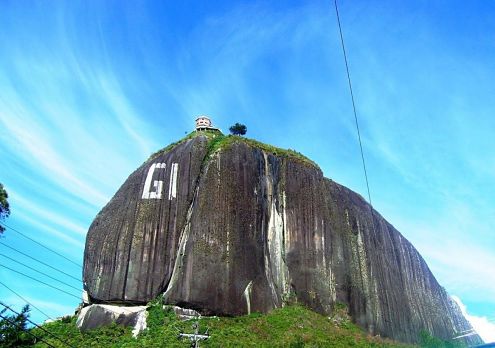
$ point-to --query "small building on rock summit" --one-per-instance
(204, 123)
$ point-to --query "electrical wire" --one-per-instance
(29, 303)
(41, 244)
(43, 273)
(56, 288)
(359, 133)
(27, 331)
(39, 281)
(43, 263)
(354, 106)
(39, 327)
(35, 279)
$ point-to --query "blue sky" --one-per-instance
(89, 89)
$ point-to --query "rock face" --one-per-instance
(95, 316)
(185, 313)
(242, 229)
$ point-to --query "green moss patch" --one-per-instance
(224, 142)
(210, 134)
(217, 142)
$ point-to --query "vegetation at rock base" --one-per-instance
(238, 129)
(13, 329)
(4, 206)
(291, 326)
(428, 341)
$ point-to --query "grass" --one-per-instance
(290, 326)
(428, 341)
(210, 134)
(217, 141)
(224, 142)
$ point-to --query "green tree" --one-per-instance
(238, 129)
(4, 206)
(13, 329)
(429, 341)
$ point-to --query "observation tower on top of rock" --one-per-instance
(204, 123)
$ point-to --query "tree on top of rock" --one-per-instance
(238, 129)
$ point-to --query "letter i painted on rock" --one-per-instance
(172, 187)
(157, 184)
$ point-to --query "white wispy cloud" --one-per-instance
(422, 108)
(122, 110)
(36, 210)
(27, 138)
(484, 327)
(54, 309)
(38, 225)
(458, 261)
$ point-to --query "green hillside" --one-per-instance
(291, 326)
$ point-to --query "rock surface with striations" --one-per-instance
(228, 226)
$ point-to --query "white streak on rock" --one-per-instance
(227, 246)
(82, 316)
(323, 244)
(140, 323)
(85, 297)
(276, 270)
(279, 270)
(179, 257)
(247, 296)
(284, 218)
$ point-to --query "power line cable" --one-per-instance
(101, 301)
(27, 331)
(54, 268)
(352, 99)
(355, 114)
(43, 273)
(41, 244)
(39, 327)
(39, 281)
(54, 287)
(29, 303)
(43, 263)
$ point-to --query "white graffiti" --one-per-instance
(172, 187)
(156, 193)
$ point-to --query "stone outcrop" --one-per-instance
(233, 229)
(97, 315)
(185, 313)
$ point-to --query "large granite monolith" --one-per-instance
(228, 226)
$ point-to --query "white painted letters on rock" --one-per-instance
(156, 191)
(172, 187)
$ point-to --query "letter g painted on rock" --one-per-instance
(156, 193)
(157, 184)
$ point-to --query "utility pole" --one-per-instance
(196, 336)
